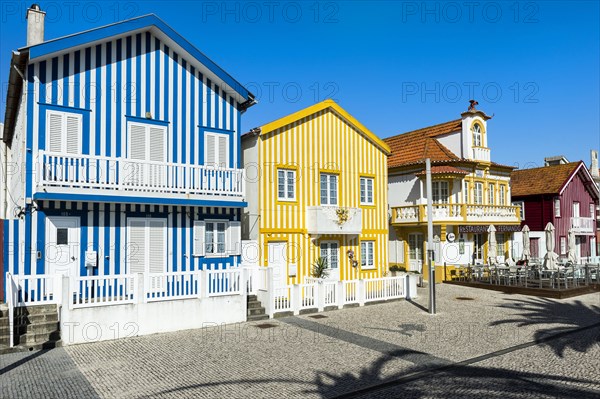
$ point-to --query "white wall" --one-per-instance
(453, 142)
(253, 176)
(403, 190)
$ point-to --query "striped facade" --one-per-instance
(320, 139)
(149, 77)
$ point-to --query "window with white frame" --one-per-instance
(563, 245)
(216, 149)
(502, 199)
(491, 194)
(521, 206)
(439, 191)
(214, 238)
(366, 190)
(466, 191)
(478, 193)
(576, 212)
(592, 211)
(330, 252)
(367, 254)
(329, 189)
(557, 207)
(217, 238)
(500, 244)
(477, 135)
(63, 132)
(286, 185)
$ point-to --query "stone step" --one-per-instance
(4, 349)
(254, 304)
(252, 298)
(35, 309)
(39, 328)
(30, 338)
(36, 318)
(257, 317)
(256, 311)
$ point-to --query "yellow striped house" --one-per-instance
(316, 184)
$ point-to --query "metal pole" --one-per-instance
(430, 251)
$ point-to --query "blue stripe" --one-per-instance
(117, 29)
(65, 80)
(200, 159)
(85, 145)
(183, 110)
(27, 252)
(96, 234)
(98, 99)
(54, 74)
(108, 98)
(209, 103)
(166, 83)
(29, 141)
(174, 238)
(16, 246)
(77, 79)
(193, 116)
(107, 244)
(129, 95)
(175, 107)
(119, 95)
(43, 82)
(118, 239)
(84, 235)
(157, 78)
(138, 73)
(41, 241)
(147, 56)
(183, 240)
(97, 198)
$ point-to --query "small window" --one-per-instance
(367, 254)
(329, 251)
(286, 185)
(576, 212)
(502, 199)
(557, 207)
(440, 192)
(366, 191)
(477, 134)
(216, 150)
(329, 189)
(466, 192)
(520, 204)
(63, 132)
(214, 238)
(500, 244)
(478, 193)
(62, 236)
(491, 194)
(563, 245)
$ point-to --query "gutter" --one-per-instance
(16, 76)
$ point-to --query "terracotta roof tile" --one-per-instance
(417, 145)
(439, 170)
(544, 180)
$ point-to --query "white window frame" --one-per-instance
(563, 245)
(147, 127)
(219, 162)
(466, 191)
(491, 194)
(593, 211)
(367, 188)
(478, 194)
(576, 205)
(215, 241)
(520, 204)
(286, 186)
(502, 199)
(328, 200)
(64, 115)
(328, 247)
(557, 207)
(437, 190)
(477, 136)
(367, 255)
(146, 221)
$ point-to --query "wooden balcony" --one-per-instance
(464, 213)
(583, 226)
(109, 176)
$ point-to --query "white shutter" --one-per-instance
(136, 246)
(157, 144)
(199, 230)
(223, 151)
(54, 131)
(157, 246)
(137, 142)
(73, 133)
(210, 149)
(235, 238)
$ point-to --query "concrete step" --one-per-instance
(35, 309)
(36, 318)
(4, 349)
(252, 298)
(31, 338)
(257, 317)
(254, 304)
(39, 328)
(256, 311)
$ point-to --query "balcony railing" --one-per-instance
(456, 213)
(481, 154)
(333, 220)
(109, 176)
(581, 225)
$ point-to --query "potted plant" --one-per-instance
(394, 269)
(319, 268)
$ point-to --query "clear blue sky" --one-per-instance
(396, 66)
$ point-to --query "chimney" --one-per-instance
(35, 25)
(594, 165)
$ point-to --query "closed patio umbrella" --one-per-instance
(526, 244)
(551, 257)
(572, 250)
(492, 244)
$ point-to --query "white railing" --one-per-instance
(330, 293)
(92, 291)
(174, 285)
(224, 282)
(457, 212)
(481, 154)
(308, 296)
(42, 289)
(282, 299)
(583, 225)
(385, 288)
(350, 292)
(71, 171)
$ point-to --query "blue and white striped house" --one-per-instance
(122, 146)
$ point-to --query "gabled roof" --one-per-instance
(548, 179)
(138, 24)
(324, 105)
(417, 145)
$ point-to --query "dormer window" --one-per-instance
(477, 135)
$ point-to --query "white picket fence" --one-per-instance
(92, 291)
(319, 294)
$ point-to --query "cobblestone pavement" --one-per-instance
(487, 344)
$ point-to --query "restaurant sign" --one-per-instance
(500, 228)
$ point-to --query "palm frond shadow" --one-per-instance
(559, 317)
